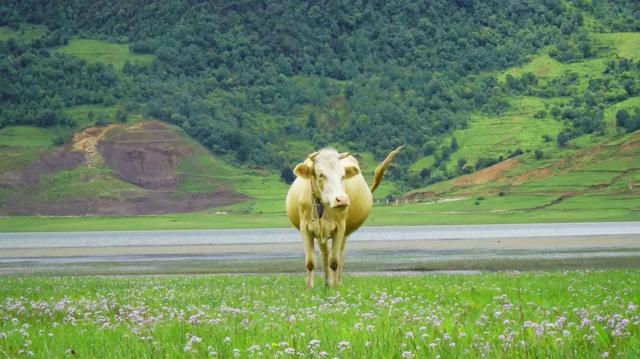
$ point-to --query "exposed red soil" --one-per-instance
(147, 157)
(58, 160)
(533, 175)
(486, 175)
(632, 145)
(146, 154)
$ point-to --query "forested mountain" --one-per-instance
(262, 83)
(370, 74)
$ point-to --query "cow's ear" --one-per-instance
(351, 171)
(303, 170)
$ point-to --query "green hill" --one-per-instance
(596, 172)
(532, 115)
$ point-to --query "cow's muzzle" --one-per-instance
(340, 201)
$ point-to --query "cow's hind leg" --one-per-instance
(324, 251)
(310, 259)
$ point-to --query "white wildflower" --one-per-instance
(344, 345)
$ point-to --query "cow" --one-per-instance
(330, 199)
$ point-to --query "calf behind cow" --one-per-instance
(330, 199)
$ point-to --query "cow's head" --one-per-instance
(327, 175)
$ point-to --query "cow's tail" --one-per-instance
(382, 168)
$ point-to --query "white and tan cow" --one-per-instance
(330, 199)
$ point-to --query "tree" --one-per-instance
(622, 118)
(563, 138)
(461, 162)
(121, 113)
(312, 121)
(454, 144)
(287, 175)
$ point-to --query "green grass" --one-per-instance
(543, 66)
(104, 52)
(26, 136)
(496, 136)
(21, 145)
(534, 314)
(574, 180)
(423, 162)
(198, 173)
(26, 32)
(196, 220)
(512, 208)
(624, 44)
(85, 182)
(81, 114)
(203, 172)
(629, 104)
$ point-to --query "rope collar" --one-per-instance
(318, 206)
(317, 201)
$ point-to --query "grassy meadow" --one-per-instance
(105, 52)
(585, 314)
(26, 32)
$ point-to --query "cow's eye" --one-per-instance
(322, 176)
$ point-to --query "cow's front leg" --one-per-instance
(309, 255)
(324, 250)
(342, 259)
(335, 257)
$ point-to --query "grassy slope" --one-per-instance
(538, 314)
(19, 146)
(593, 170)
(104, 52)
(25, 32)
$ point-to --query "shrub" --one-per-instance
(101, 122)
(62, 139)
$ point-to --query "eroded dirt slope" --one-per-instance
(123, 170)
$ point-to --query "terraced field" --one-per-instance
(593, 172)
